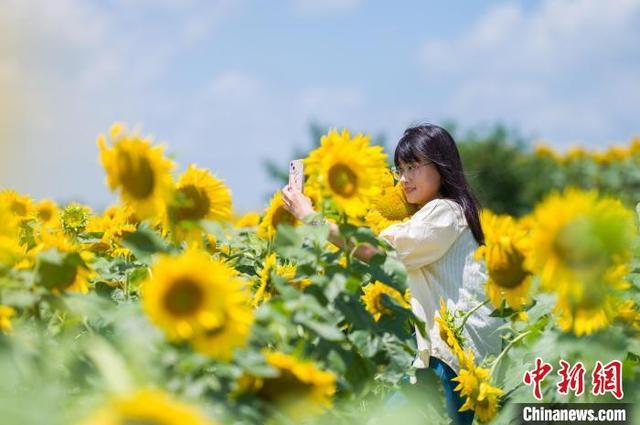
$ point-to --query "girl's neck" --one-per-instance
(438, 196)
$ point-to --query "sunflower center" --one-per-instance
(577, 247)
(136, 175)
(184, 297)
(343, 180)
(195, 201)
(282, 216)
(285, 388)
(18, 208)
(510, 272)
(45, 214)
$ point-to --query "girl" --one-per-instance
(436, 245)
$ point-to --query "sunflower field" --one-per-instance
(168, 308)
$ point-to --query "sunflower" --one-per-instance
(372, 298)
(149, 407)
(192, 296)
(250, 219)
(580, 249)
(19, 205)
(470, 377)
(601, 158)
(114, 223)
(6, 313)
(347, 170)
(591, 306)
(504, 252)
(617, 153)
(393, 204)
(274, 215)
(199, 195)
(121, 212)
(486, 404)
(74, 218)
(287, 271)
(577, 235)
(543, 150)
(448, 330)
(575, 153)
(48, 213)
(138, 171)
(474, 383)
(11, 252)
(73, 273)
(390, 208)
(300, 388)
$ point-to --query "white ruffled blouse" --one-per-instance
(436, 246)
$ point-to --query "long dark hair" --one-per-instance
(434, 143)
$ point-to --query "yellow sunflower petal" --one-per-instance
(348, 170)
(138, 171)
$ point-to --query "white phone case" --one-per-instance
(296, 174)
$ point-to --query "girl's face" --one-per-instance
(420, 181)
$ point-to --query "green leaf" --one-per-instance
(427, 396)
(57, 270)
(354, 312)
(287, 242)
(335, 286)
(324, 330)
(144, 243)
(368, 344)
(103, 290)
(254, 363)
(136, 276)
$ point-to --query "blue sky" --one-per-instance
(228, 83)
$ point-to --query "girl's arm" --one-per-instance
(300, 206)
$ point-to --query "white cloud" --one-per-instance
(563, 70)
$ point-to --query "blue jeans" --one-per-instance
(452, 398)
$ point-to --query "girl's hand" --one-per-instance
(296, 203)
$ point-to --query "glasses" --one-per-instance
(407, 171)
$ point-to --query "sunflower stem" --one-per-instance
(36, 310)
(126, 287)
(469, 313)
(347, 241)
(507, 348)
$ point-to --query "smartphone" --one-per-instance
(296, 174)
